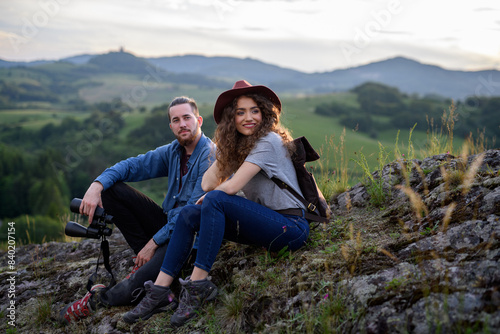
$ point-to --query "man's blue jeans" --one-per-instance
(222, 216)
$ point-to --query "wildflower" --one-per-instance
(325, 297)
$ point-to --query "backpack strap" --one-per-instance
(311, 214)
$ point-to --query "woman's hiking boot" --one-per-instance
(82, 308)
(157, 299)
(193, 295)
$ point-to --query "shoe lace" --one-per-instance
(188, 300)
(147, 301)
(78, 309)
(137, 293)
(134, 269)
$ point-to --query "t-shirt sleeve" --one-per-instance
(265, 155)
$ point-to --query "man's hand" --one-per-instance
(91, 200)
(146, 253)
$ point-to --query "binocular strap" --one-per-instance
(105, 253)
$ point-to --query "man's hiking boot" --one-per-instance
(193, 295)
(134, 269)
(80, 309)
(157, 299)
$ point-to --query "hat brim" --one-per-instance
(228, 96)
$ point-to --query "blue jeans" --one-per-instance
(234, 218)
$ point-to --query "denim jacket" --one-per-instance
(165, 161)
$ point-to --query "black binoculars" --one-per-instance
(97, 228)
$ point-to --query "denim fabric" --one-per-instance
(161, 162)
(234, 218)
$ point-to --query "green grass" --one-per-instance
(132, 120)
(300, 118)
(148, 93)
(35, 119)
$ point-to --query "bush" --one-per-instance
(34, 229)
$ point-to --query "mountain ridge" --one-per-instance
(408, 75)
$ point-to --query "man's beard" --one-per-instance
(187, 141)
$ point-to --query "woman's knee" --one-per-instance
(189, 215)
(215, 195)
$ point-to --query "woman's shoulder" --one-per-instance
(272, 137)
(271, 142)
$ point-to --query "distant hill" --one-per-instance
(120, 62)
(409, 76)
(234, 69)
(6, 64)
(79, 60)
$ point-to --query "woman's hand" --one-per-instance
(200, 200)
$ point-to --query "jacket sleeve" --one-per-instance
(143, 167)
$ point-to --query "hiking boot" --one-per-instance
(80, 309)
(157, 299)
(193, 295)
(134, 269)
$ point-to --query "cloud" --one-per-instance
(485, 9)
(300, 34)
(393, 32)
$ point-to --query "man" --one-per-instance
(146, 226)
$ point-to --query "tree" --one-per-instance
(488, 118)
(379, 99)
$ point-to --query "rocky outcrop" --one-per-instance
(423, 260)
(446, 278)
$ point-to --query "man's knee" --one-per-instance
(113, 192)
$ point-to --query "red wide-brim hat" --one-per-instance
(243, 87)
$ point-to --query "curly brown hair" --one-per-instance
(233, 147)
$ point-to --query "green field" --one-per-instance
(35, 119)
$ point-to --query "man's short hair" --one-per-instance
(182, 100)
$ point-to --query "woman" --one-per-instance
(252, 147)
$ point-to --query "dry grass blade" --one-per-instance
(471, 173)
(447, 216)
(388, 254)
(422, 176)
(415, 201)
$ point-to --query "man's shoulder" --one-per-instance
(172, 146)
(205, 143)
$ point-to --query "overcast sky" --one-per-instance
(307, 35)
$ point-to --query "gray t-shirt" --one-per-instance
(272, 157)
